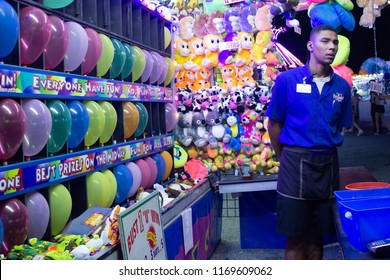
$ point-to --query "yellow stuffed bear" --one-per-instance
(243, 55)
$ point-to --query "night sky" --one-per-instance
(361, 38)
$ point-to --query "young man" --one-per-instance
(309, 107)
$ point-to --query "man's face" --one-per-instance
(323, 46)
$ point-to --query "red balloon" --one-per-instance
(153, 171)
(94, 51)
(35, 31)
(14, 216)
(145, 171)
(58, 43)
(12, 127)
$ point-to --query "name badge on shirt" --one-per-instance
(303, 88)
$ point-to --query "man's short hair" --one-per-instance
(320, 28)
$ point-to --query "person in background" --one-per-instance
(372, 101)
(355, 116)
(308, 109)
(380, 102)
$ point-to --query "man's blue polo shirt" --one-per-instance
(309, 119)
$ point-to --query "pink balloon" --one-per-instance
(78, 45)
(35, 31)
(145, 172)
(39, 214)
(148, 66)
(94, 51)
(157, 67)
(38, 126)
(58, 43)
(171, 116)
(153, 171)
(14, 216)
(12, 127)
(164, 72)
(137, 176)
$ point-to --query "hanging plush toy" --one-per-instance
(182, 129)
(215, 23)
(262, 45)
(286, 8)
(226, 56)
(229, 77)
(232, 19)
(211, 43)
(182, 55)
(196, 52)
(186, 28)
(263, 18)
(247, 19)
(243, 54)
(200, 26)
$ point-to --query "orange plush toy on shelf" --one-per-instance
(229, 77)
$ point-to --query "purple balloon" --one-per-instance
(164, 72)
(148, 66)
(137, 175)
(38, 126)
(58, 43)
(157, 67)
(14, 216)
(35, 32)
(94, 51)
(12, 127)
(171, 116)
(39, 214)
(78, 46)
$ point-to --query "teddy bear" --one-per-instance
(263, 43)
(198, 130)
(215, 127)
(243, 55)
(247, 19)
(182, 129)
(229, 77)
(245, 78)
(211, 44)
(370, 13)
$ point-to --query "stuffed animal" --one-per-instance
(214, 23)
(250, 122)
(196, 52)
(211, 43)
(215, 127)
(180, 83)
(370, 13)
(262, 44)
(225, 56)
(202, 79)
(263, 18)
(200, 26)
(183, 100)
(237, 101)
(199, 133)
(234, 128)
(245, 78)
(182, 129)
(232, 19)
(229, 77)
(190, 80)
(243, 54)
(247, 19)
(287, 9)
(182, 55)
(186, 28)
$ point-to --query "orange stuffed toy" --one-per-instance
(229, 77)
(245, 78)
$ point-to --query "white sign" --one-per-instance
(231, 45)
(141, 231)
(376, 87)
(227, 2)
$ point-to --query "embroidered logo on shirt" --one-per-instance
(338, 97)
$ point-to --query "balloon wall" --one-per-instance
(86, 115)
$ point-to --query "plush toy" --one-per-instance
(286, 8)
(263, 18)
(197, 50)
(226, 56)
(211, 43)
(214, 23)
(229, 77)
(202, 79)
(180, 156)
(182, 129)
(190, 80)
(243, 54)
(370, 13)
(215, 127)
(200, 26)
(262, 44)
(342, 52)
(183, 101)
(186, 28)
(237, 101)
(164, 197)
(182, 55)
(180, 83)
(231, 20)
(247, 19)
(197, 170)
(245, 78)
(234, 128)
(199, 133)
(252, 134)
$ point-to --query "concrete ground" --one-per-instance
(369, 150)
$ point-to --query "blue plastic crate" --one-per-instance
(365, 220)
(362, 194)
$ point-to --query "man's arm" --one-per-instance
(274, 129)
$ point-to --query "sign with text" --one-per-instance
(141, 230)
(376, 87)
(228, 2)
(232, 45)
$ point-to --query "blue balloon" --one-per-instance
(124, 179)
(80, 123)
(160, 162)
(9, 25)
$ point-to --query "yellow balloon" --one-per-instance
(106, 57)
(343, 51)
(171, 71)
(168, 164)
(167, 37)
(96, 122)
(60, 202)
(110, 122)
(130, 119)
(98, 190)
(139, 64)
(112, 186)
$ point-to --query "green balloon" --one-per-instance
(139, 63)
(171, 71)
(111, 119)
(60, 202)
(61, 124)
(119, 58)
(96, 122)
(98, 190)
(106, 57)
(143, 119)
(129, 61)
(56, 4)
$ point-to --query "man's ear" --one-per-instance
(310, 45)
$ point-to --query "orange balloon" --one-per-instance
(168, 164)
(130, 119)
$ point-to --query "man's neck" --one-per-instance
(319, 70)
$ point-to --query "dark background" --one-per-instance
(361, 38)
